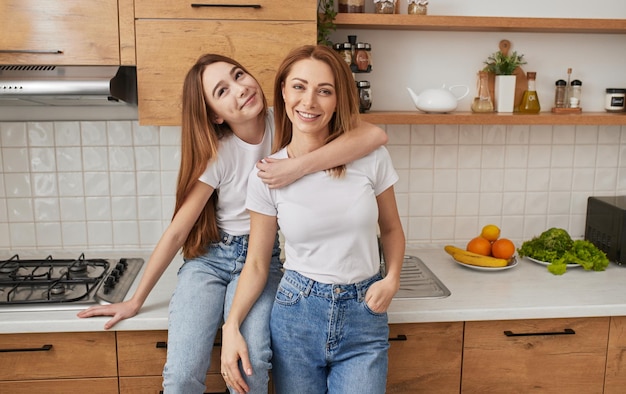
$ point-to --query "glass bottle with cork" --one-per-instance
(530, 99)
(483, 102)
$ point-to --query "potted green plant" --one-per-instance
(503, 66)
(325, 21)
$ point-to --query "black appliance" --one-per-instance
(606, 226)
(60, 284)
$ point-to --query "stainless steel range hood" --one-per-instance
(58, 93)
(24, 85)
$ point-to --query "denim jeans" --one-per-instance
(326, 339)
(203, 296)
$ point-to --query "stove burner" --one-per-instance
(8, 267)
(78, 267)
(57, 289)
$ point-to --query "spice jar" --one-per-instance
(575, 94)
(352, 6)
(559, 94)
(361, 59)
(417, 7)
(384, 6)
(345, 51)
(365, 95)
(614, 101)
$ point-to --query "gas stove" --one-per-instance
(64, 284)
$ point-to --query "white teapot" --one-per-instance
(438, 100)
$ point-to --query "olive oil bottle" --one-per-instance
(530, 100)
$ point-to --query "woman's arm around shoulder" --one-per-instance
(359, 142)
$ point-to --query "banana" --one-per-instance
(465, 257)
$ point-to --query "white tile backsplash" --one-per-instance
(99, 184)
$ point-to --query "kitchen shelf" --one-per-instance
(544, 118)
(479, 23)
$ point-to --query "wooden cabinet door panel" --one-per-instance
(61, 386)
(85, 32)
(551, 360)
(166, 49)
(615, 380)
(72, 355)
(302, 10)
(425, 358)
(154, 384)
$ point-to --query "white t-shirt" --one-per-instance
(228, 175)
(329, 224)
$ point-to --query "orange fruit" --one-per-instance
(503, 249)
(479, 245)
(490, 232)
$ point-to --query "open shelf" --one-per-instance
(479, 23)
(544, 118)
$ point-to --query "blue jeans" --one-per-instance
(326, 339)
(202, 299)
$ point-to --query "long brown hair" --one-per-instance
(346, 115)
(199, 145)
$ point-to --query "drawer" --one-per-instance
(300, 10)
(57, 355)
(548, 355)
(143, 353)
(61, 386)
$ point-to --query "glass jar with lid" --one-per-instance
(384, 6)
(361, 59)
(365, 95)
(418, 7)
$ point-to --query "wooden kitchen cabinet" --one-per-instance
(141, 357)
(536, 356)
(69, 32)
(615, 379)
(58, 363)
(425, 358)
(171, 36)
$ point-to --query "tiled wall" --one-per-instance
(100, 185)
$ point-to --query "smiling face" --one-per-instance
(234, 95)
(310, 97)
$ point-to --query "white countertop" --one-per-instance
(526, 291)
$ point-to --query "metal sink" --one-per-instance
(418, 282)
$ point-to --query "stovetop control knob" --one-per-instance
(121, 267)
(109, 284)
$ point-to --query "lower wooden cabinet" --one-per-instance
(547, 356)
(141, 357)
(58, 363)
(615, 377)
(425, 358)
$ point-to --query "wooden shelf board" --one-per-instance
(478, 23)
(544, 118)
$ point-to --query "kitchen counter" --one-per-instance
(526, 291)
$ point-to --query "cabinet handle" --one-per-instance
(567, 331)
(33, 51)
(198, 5)
(400, 337)
(44, 348)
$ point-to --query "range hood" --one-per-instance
(67, 86)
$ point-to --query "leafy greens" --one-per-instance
(556, 247)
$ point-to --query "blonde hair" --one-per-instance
(346, 115)
(199, 146)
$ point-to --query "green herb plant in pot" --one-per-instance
(504, 66)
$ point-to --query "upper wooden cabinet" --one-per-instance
(170, 37)
(299, 10)
(77, 32)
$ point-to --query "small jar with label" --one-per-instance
(384, 6)
(361, 59)
(365, 95)
(345, 51)
(614, 101)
